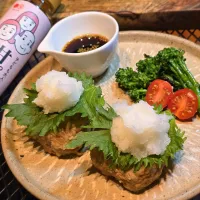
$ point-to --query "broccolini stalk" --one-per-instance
(137, 94)
(172, 81)
(173, 62)
(168, 64)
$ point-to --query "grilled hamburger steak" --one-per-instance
(133, 181)
(133, 146)
(54, 143)
(55, 108)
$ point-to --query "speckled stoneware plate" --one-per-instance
(50, 178)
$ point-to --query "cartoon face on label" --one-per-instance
(7, 31)
(27, 23)
(24, 42)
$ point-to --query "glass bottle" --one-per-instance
(22, 29)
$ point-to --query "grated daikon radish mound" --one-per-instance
(138, 130)
(57, 92)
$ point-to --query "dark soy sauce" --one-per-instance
(85, 43)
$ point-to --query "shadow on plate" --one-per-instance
(112, 69)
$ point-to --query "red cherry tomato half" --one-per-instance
(183, 104)
(159, 92)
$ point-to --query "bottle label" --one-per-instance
(22, 28)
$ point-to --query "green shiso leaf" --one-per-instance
(38, 123)
(101, 139)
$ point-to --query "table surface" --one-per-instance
(137, 6)
(134, 14)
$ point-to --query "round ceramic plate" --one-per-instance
(50, 178)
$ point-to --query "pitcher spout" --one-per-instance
(46, 46)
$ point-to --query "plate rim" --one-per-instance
(32, 188)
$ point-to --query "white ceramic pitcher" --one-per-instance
(93, 62)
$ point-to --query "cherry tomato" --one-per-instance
(183, 104)
(159, 92)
